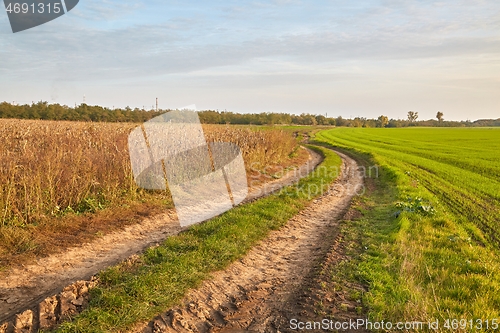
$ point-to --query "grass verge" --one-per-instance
(419, 260)
(130, 293)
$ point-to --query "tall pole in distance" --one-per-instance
(156, 104)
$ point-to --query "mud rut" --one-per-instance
(261, 292)
(46, 290)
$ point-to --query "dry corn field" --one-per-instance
(50, 170)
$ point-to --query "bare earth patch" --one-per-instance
(265, 290)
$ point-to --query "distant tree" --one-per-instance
(395, 123)
(84, 112)
(209, 117)
(382, 121)
(369, 123)
(357, 122)
(321, 120)
(412, 116)
(308, 119)
(439, 116)
(341, 121)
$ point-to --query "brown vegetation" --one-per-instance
(64, 181)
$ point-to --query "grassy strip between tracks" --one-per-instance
(420, 260)
(128, 294)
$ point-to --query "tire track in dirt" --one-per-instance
(23, 288)
(259, 293)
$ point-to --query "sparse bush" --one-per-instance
(415, 205)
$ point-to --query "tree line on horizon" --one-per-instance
(83, 112)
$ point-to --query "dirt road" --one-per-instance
(262, 292)
(23, 288)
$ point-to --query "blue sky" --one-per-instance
(349, 58)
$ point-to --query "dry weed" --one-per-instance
(50, 169)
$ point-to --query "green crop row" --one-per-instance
(462, 173)
(430, 234)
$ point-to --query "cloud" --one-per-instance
(98, 10)
(159, 50)
(261, 44)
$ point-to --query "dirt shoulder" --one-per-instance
(265, 290)
(25, 287)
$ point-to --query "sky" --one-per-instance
(350, 58)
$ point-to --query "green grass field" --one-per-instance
(431, 228)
